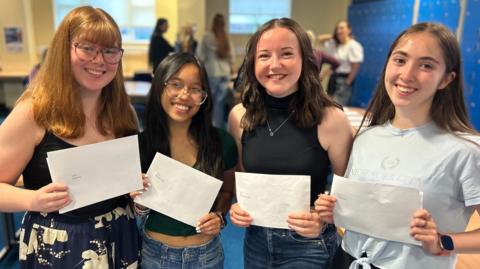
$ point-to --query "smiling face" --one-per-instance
(343, 31)
(278, 61)
(91, 75)
(414, 73)
(182, 108)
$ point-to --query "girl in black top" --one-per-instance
(78, 98)
(286, 124)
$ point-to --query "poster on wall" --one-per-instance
(13, 39)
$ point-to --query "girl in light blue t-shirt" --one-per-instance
(418, 135)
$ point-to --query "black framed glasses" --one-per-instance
(177, 88)
(88, 52)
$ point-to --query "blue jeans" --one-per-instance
(281, 248)
(339, 90)
(219, 88)
(158, 255)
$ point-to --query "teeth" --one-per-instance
(405, 90)
(276, 76)
(182, 107)
(94, 72)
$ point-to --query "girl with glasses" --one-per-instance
(78, 98)
(178, 123)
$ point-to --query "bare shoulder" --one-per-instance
(235, 117)
(237, 112)
(334, 120)
(19, 134)
(21, 123)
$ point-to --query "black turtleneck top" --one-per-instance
(290, 151)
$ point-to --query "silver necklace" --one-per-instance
(279, 126)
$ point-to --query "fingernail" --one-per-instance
(148, 184)
(145, 189)
(198, 230)
(140, 192)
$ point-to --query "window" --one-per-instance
(136, 18)
(247, 15)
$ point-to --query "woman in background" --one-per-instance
(185, 40)
(78, 98)
(349, 52)
(217, 53)
(159, 47)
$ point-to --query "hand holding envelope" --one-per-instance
(179, 191)
(90, 180)
(378, 210)
(269, 199)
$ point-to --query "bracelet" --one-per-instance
(222, 220)
(140, 210)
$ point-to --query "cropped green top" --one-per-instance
(160, 223)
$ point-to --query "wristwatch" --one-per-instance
(446, 244)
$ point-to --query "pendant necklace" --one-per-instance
(279, 126)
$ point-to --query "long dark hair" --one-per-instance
(311, 99)
(448, 109)
(157, 131)
(218, 29)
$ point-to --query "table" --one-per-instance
(11, 87)
(138, 90)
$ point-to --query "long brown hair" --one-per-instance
(57, 105)
(218, 29)
(311, 99)
(448, 109)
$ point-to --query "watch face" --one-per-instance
(447, 242)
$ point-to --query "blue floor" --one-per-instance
(232, 239)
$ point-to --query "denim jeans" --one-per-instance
(339, 90)
(219, 88)
(158, 255)
(281, 248)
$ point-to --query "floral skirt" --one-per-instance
(106, 241)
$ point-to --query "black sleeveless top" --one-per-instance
(36, 175)
(290, 151)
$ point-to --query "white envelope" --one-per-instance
(97, 172)
(378, 210)
(178, 190)
(269, 199)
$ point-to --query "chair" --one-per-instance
(141, 76)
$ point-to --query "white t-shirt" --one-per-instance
(346, 54)
(207, 53)
(443, 166)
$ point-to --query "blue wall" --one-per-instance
(375, 25)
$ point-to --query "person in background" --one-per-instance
(349, 52)
(36, 68)
(320, 56)
(78, 98)
(217, 53)
(287, 125)
(178, 124)
(159, 47)
(418, 136)
(185, 40)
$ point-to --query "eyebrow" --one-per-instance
(428, 58)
